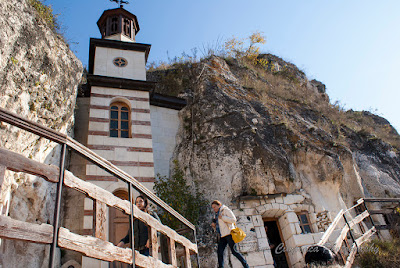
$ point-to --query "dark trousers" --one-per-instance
(145, 252)
(223, 241)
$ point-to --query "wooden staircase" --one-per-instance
(341, 246)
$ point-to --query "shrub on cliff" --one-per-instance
(175, 192)
(46, 14)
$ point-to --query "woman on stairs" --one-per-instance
(141, 232)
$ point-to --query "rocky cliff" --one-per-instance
(263, 129)
(38, 80)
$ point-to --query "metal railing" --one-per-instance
(90, 246)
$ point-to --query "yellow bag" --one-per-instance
(237, 234)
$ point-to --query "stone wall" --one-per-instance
(253, 211)
(38, 80)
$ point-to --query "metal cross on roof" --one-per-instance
(120, 2)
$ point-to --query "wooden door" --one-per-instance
(275, 238)
(119, 226)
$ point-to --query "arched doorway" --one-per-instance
(119, 225)
(275, 241)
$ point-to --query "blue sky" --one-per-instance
(351, 46)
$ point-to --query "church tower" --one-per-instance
(119, 109)
(119, 123)
(122, 119)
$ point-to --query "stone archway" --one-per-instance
(273, 210)
(287, 222)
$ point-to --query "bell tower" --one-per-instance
(118, 24)
(119, 123)
(119, 102)
(122, 119)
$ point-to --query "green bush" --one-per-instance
(186, 200)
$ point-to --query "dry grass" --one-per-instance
(380, 254)
(285, 92)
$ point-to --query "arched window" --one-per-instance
(127, 27)
(120, 120)
(114, 25)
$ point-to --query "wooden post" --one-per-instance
(2, 173)
(2, 189)
(154, 243)
(188, 263)
(99, 219)
(172, 252)
(3, 203)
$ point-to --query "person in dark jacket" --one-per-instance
(141, 232)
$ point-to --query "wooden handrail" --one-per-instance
(345, 230)
(111, 200)
(358, 242)
(33, 127)
(16, 162)
(359, 202)
(382, 199)
(90, 246)
(343, 233)
(330, 229)
(109, 167)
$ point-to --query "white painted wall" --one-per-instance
(103, 63)
(164, 126)
(120, 37)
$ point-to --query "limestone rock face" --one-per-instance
(234, 141)
(38, 80)
(232, 146)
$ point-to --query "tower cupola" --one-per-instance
(118, 24)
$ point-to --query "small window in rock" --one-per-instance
(304, 222)
(119, 120)
(120, 62)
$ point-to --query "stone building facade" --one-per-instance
(123, 121)
(285, 212)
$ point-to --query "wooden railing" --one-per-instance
(389, 210)
(342, 221)
(92, 246)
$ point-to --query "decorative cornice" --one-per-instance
(167, 101)
(122, 83)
